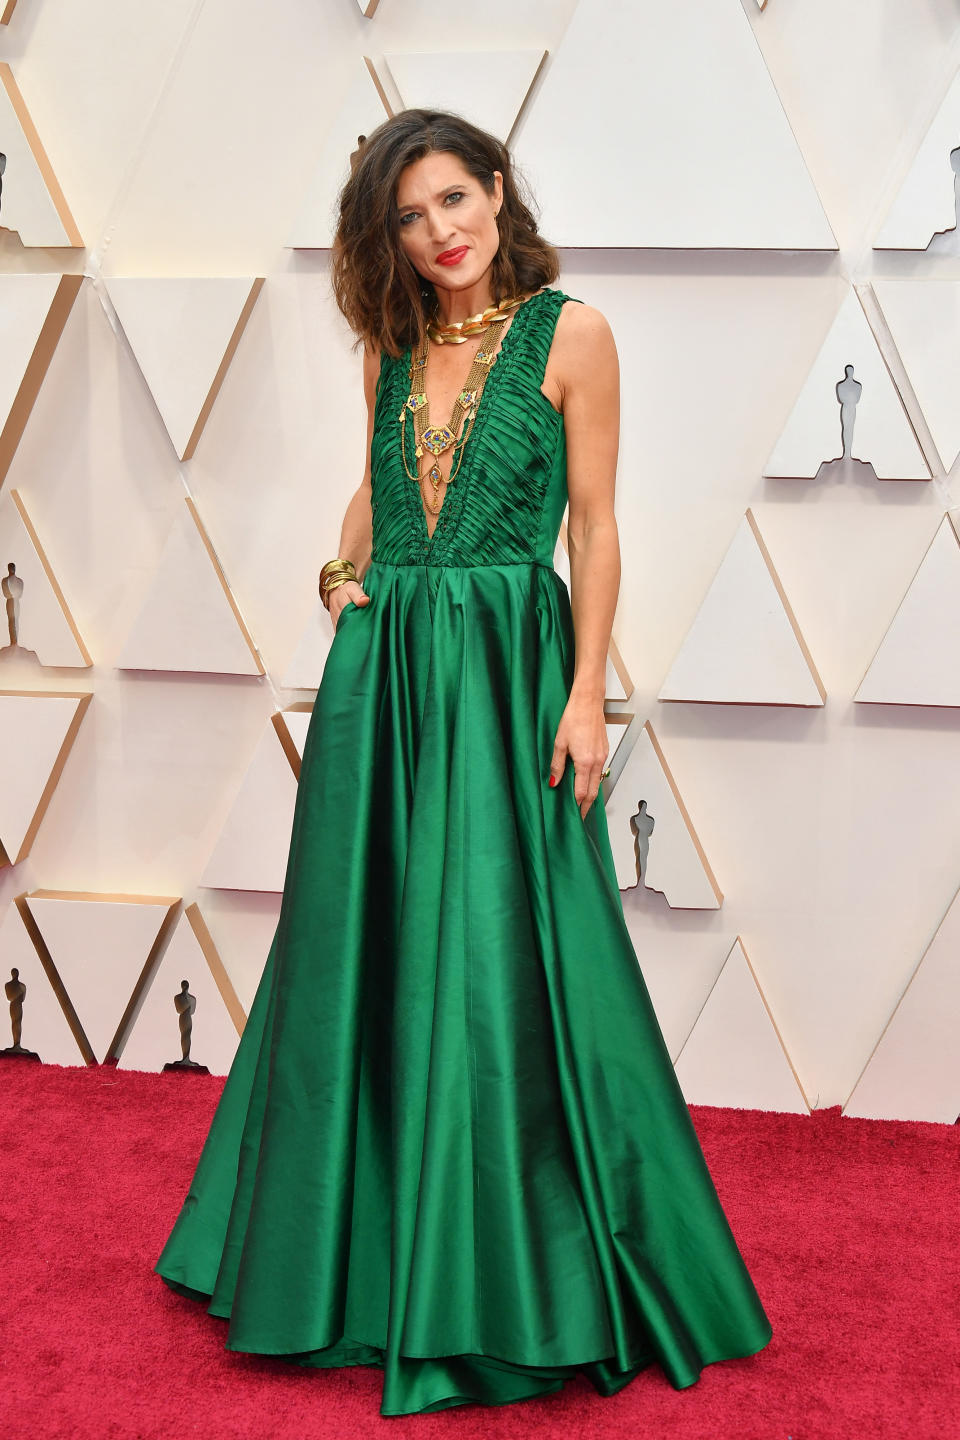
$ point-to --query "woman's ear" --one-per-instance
(497, 195)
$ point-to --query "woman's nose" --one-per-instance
(439, 224)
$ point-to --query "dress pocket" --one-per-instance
(350, 605)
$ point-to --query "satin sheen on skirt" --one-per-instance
(451, 1143)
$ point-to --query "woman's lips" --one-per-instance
(452, 257)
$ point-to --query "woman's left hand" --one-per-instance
(581, 734)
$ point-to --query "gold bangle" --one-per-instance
(335, 585)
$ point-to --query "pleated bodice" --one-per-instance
(507, 501)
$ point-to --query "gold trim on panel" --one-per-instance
(52, 974)
(378, 85)
(32, 138)
(37, 366)
(217, 968)
(788, 608)
(84, 697)
(284, 736)
(220, 376)
(48, 570)
(208, 545)
(684, 812)
(149, 965)
(776, 1027)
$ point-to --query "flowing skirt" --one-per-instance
(451, 1143)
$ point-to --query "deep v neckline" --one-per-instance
(459, 490)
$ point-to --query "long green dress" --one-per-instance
(451, 1143)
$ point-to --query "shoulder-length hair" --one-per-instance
(386, 302)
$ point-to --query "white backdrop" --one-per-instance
(186, 138)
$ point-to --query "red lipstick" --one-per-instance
(452, 257)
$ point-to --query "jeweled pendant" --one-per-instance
(438, 438)
(415, 403)
(435, 474)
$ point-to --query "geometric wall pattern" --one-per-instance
(849, 407)
(34, 615)
(33, 312)
(926, 205)
(745, 646)
(918, 660)
(926, 1022)
(124, 932)
(924, 320)
(629, 70)
(363, 108)
(651, 832)
(657, 145)
(44, 1028)
(442, 82)
(33, 203)
(184, 332)
(734, 1055)
(207, 1025)
(251, 852)
(190, 619)
(37, 731)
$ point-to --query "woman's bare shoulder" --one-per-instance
(584, 343)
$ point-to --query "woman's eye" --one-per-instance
(410, 215)
(455, 195)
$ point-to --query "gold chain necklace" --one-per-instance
(438, 438)
(460, 330)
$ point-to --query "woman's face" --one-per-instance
(446, 218)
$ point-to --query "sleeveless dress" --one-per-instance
(451, 1143)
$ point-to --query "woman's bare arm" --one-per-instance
(588, 370)
(356, 535)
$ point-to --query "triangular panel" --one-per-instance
(33, 312)
(461, 81)
(100, 948)
(34, 615)
(305, 670)
(190, 619)
(252, 851)
(214, 1021)
(879, 430)
(184, 332)
(363, 109)
(664, 849)
(926, 202)
(914, 1071)
(725, 169)
(918, 661)
(37, 731)
(924, 320)
(744, 646)
(34, 205)
(734, 1055)
(44, 1028)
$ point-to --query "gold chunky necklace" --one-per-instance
(460, 330)
(438, 438)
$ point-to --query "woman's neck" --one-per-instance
(454, 305)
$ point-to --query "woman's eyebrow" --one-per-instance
(446, 190)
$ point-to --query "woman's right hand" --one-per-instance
(350, 590)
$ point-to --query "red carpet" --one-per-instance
(849, 1228)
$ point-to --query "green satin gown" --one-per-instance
(451, 1143)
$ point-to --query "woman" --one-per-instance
(451, 1143)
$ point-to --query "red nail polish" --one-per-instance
(552, 781)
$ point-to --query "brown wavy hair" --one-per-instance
(386, 302)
